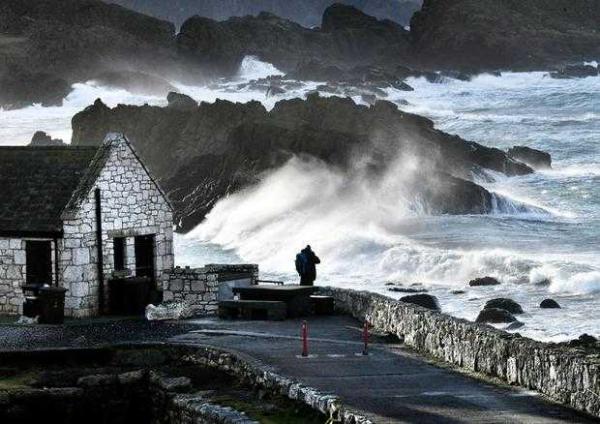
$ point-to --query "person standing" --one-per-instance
(306, 262)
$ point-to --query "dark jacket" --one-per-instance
(305, 264)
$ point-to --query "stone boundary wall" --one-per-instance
(198, 288)
(566, 375)
(259, 375)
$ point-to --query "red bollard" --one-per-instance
(366, 338)
(304, 339)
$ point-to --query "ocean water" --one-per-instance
(369, 233)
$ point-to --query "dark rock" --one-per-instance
(203, 154)
(549, 304)
(181, 102)
(537, 159)
(575, 71)
(40, 138)
(348, 38)
(369, 99)
(425, 300)
(495, 316)
(51, 45)
(485, 281)
(457, 292)
(488, 35)
(506, 304)
(585, 340)
(305, 12)
(514, 325)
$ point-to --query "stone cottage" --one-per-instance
(77, 218)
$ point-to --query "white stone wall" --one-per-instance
(12, 275)
(198, 288)
(132, 205)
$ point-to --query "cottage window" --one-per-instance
(120, 246)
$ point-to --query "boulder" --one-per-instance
(425, 300)
(485, 281)
(495, 316)
(181, 102)
(506, 304)
(549, 304)
(537, 159)
(40, 138)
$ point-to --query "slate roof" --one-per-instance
(36, 185)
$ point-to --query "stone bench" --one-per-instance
(252, 309)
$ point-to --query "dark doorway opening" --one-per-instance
(144, 256)
(38, 262)
(120, 245)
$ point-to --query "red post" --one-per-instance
(304, 339)
(366, 338)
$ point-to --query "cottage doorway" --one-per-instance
(38, 262)
(144, 256)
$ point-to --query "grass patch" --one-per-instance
(17, 381)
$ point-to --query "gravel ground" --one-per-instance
(87, 333)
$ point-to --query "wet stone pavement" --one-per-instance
(390, 385)
(88, 333)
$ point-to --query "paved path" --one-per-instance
(391, 385)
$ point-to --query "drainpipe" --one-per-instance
(55, 261)
(100, 261)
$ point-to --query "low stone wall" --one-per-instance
(566, 375)
(12, 275)
(198, 288)
(249, 370)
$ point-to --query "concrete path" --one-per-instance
(390, 385)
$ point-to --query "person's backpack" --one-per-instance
(301, 263)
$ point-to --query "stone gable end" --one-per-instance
(132, 205)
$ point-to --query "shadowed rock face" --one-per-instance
(348, 38)
(506, 34)
(202, 153)
(307, 13)
(47, 45)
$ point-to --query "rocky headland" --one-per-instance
(47, 46)
(307, 13)
(479, 35)
(203, 152)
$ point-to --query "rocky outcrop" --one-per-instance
(537, 159)
(307, 13)
(181, 102)
(201, 154)
(512, 34)
(505, 304)
(347, 38)
(47, 45)
(40, 138)
(485, 281)
(575, 71)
